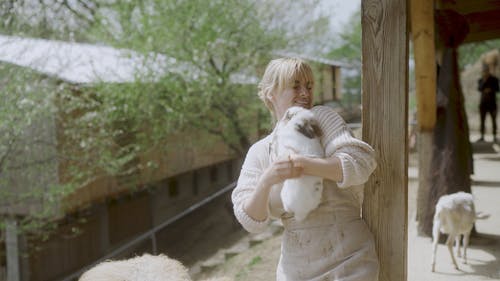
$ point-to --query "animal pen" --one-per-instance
(437, 29)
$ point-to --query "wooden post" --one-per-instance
(451, 163)
(12, 250)
(338, 82)
(328, 83)
(385, 127)
(422, 29)
(422, 23)
(102, 210)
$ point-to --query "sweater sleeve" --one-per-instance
(357, 157)
(245, 187)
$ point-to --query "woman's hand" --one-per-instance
(327, 168)
(280, 170)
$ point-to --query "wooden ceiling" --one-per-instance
(483, 17)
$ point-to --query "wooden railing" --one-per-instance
(151, 234)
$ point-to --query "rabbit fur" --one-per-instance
(298, 132)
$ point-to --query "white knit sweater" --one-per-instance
(357, 160)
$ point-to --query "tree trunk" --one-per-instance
(425, 145)
(451, 163)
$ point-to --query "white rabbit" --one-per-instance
(298, 132)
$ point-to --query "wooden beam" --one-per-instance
(424, 50)
(338, 83)
(482, 36)
(483, 25)
(481, 15)
(385, 127)
(468, 6)
(422, 26)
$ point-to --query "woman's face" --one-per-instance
(299, 93)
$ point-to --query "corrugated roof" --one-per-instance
(76, 62)
(82, 63)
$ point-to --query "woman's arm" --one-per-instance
(348, 161)
(349, 165)
(277, 172)
(327, 168)
(251, 195)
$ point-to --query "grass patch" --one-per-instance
(244, 272)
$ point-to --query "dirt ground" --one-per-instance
(259, 262)
(484, 251)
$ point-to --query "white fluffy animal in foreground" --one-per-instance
(143, 268)
(299, 133)
(455, 215)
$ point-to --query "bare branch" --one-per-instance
(5, 156)
(77, 13)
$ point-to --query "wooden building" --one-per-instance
(327, 73)
(106, 212)
(118, 219)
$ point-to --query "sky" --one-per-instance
(341, 10)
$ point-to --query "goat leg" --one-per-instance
(435, 238)
(457, 245)
(449, 243)
(466, 244)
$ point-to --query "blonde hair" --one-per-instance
(279, 74)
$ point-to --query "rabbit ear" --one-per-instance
(317, 129)
(310, 129)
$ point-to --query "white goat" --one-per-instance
(455, 215)
(299, 133)
(143, 268)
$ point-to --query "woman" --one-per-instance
(333, 242)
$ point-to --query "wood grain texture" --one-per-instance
(468, 6)
(422, 30)
(385, 126)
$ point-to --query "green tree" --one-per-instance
(197, 65)
(206, 46)
(29, 186)
(193, 53)
(349, 50)
(50, 19)
(349, 47)
(470, 53)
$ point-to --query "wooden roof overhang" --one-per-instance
(385, 39)
(482, 16)
(461, 22)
